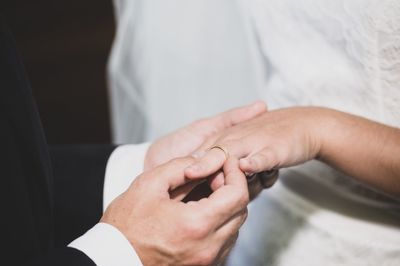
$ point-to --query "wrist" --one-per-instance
(328, 131)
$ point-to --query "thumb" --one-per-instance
(170, 176)
(233, 175)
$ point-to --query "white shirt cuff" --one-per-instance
(105, 245)
(124, 165)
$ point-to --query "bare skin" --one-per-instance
(166, 231)
(361, 148)
(161, 228)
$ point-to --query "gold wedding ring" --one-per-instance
(225, 151)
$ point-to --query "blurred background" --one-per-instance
(64, 45)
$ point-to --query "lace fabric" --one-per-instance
(339, 54)
(343, 49)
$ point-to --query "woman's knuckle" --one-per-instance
(200, 123)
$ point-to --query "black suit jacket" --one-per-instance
(43, 207)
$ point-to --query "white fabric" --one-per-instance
(284, 228)
(160, 65)
(338, 54)
(123, 166)
(175, 61)
(188, 59)
(105, 244)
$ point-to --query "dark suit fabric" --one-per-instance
(42, 207)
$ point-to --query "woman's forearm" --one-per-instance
(363, 149)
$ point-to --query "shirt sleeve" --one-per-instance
(104, 243)
(123, 166)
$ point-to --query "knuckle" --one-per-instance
(264, 159)
(178, 162)
(200, 123)
(270, 156)
(207, 256)
(244, 215)
(230, 142)
(195, 227)
(244, 198)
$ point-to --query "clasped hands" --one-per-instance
(166, 231)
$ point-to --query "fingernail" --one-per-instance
(250, 161)
(199, 154)
(193, 168)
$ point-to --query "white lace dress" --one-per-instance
(175, 61)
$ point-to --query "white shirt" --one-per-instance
(105, 244)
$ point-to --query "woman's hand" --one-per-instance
(361, 148)
(272, 140)
(186, 140)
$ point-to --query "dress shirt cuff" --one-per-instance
(105, 245)
(123, 166)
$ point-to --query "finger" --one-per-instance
(239, 115)
(230, 199)
(254, 186)
(170, 175)
(181, 192)
(231, 118)
(268, 178)
(207, 165)
(202, 150)
(214, 158)
(227, 235)
(263, 160)
(232, 226)
(226, 249)
(216, 181)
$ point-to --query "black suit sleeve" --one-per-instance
(78, 188)
(78, 196)
(36, 205)
(64, 257)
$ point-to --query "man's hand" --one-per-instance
(166, 231)
(186, 140)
